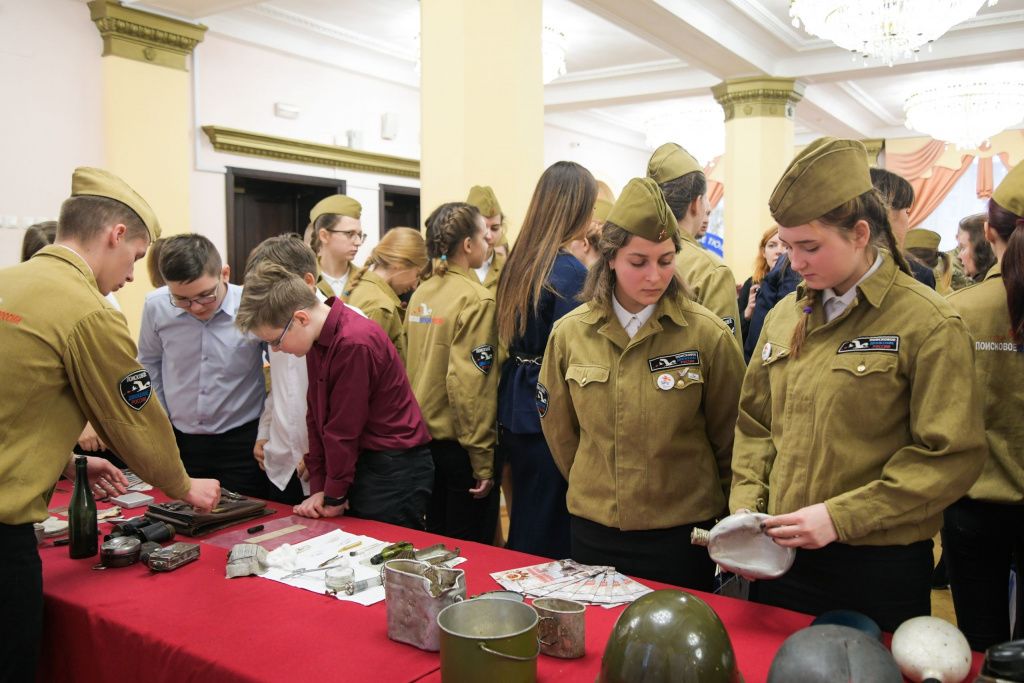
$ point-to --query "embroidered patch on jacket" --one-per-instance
(423, 315)
(731, 322)
(135, 389)
(673, 360)
(888, 342)
(542, 399)
(483, 357)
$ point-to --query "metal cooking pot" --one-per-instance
(483, 641)
(416, 592)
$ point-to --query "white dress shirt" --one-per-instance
(337, 284)
(835, 304)
(482, 271)
(631, 322)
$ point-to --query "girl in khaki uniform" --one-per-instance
(392, 270)
(489, 271)
(335, 236)
(984, 530)
(846, 432)
(637, 398)
(451, 356)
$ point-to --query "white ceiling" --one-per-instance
(633, 60)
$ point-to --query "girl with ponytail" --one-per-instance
(846, 434)
(452, 339)
(984, 529)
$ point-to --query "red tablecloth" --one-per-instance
(194, 624)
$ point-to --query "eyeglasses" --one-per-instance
(203, 299)
(277, 342)
(354, 235)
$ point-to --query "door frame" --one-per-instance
(395, 189)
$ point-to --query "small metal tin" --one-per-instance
(120, 552)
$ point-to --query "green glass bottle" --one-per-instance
(82, 529)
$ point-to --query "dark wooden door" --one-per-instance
(261, 204)
(399, 208)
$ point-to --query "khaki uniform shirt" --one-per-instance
(494, 272)
(998, 365)
(711, 282)
(354, 273)
(642, 428)
(863, 420)
(378, 302)
(68, 359)
(452, 337)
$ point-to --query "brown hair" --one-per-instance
(447, 226)
(326, 221)
(271, 296)
(84, 216)
(188, 257)
(680, 192)
(560, 210)
(932, 258)
(153, 262)
(1010, 228)
(605, 192)
(36, 237)
(600, 285)
(868, 207)
(761, 266)
(984, 257)
(287, 251)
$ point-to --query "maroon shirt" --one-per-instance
(359, 399)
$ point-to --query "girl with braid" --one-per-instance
(392, 270)
(846, 434)
(451, 337)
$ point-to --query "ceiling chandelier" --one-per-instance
(554, 49)
(966, 114)
(887, 30)
(700, 130)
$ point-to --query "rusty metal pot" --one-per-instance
(416, 592)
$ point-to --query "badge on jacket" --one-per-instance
(731, 322)
(483, 357)
(889, 342)
(673, 360)
(542, 399)
(135, 389)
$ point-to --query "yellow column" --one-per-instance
(147, 118)
(482, 102)
(758, 147)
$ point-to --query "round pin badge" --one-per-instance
(766, 352)
(665, 382)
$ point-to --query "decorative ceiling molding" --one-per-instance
(143, 36)
(637, 69)
(869, 103)
(300, 151)
(782, 30)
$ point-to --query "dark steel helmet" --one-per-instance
(669, 636)
(828, 653)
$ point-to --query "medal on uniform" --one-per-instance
(665, 382)
(766, 352)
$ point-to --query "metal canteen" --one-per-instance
(415, 593)
(931, 649)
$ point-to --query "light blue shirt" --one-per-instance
(207, 374)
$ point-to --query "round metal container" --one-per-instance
(483, 641)
(501, 595)
(120, 552)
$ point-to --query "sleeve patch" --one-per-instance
(542, 399)
(135, 389)
(483, 357)
(731, 322)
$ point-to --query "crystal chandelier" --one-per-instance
(700, 130)
(887, 30)
(553, 51)
(966, 114)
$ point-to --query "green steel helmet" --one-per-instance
(827, 653)
(669, 636)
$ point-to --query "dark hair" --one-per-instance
(600, 285)
(680, 192)
(185, 258)
(325, 221)
(84, 216)
(447, 226)
(559, 211)
(984, 257)
(1010, 228)
(868, 207)
(36, 237)
(288, 251)
(896, 190)
(153, 262)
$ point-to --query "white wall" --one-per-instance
(50, 121)
(611, 162)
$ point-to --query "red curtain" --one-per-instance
(716, 190)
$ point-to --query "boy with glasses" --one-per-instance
(207, 374)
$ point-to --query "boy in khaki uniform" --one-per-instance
(984, 530)
(682, 180)
(637, 398)
(75, 361)
(452, 340)
(484, 199)
(846, 434)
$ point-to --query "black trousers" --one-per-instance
(21, 594)
(889, 583)
(453, 511)
(292, 494)
(664, 555)
(539, 520)
(227, 457)
(981, 541)
(393, 487)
